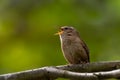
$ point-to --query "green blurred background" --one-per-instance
(27, 30)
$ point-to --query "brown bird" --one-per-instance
(73, 47)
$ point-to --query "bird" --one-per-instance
(73, 47)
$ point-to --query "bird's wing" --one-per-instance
(86, 49)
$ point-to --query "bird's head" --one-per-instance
(67, 31)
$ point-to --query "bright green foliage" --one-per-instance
(27, 30)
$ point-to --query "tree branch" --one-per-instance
(92, 67)
(93, 71)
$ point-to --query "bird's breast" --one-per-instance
(68, 52)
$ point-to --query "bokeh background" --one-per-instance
(27, 28)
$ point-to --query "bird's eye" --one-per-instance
(66, 28)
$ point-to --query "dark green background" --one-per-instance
(27, 30)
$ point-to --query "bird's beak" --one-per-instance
(59, 32)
